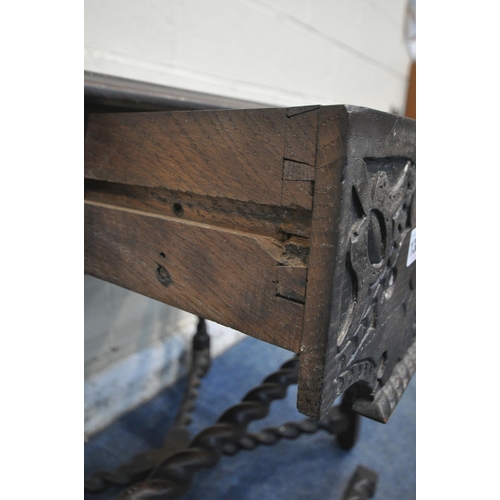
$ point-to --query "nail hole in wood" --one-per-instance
(178, 210)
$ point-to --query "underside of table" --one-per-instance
(295, 226)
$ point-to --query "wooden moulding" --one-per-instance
(290, 225)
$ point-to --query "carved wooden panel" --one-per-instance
(363, 219)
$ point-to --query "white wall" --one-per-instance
(134, 347)
(280, 52)
(283, 52)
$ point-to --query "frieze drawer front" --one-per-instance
(295, 226)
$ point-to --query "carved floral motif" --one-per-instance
(383, 214)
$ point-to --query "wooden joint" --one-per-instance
(296, 171)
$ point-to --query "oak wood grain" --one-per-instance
(224, 275)
(331, 153)
(235, 154)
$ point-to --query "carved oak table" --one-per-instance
(295, 226)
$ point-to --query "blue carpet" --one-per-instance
(310, 467)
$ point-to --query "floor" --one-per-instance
(310, 467)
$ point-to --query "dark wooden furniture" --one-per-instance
(295, 226)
